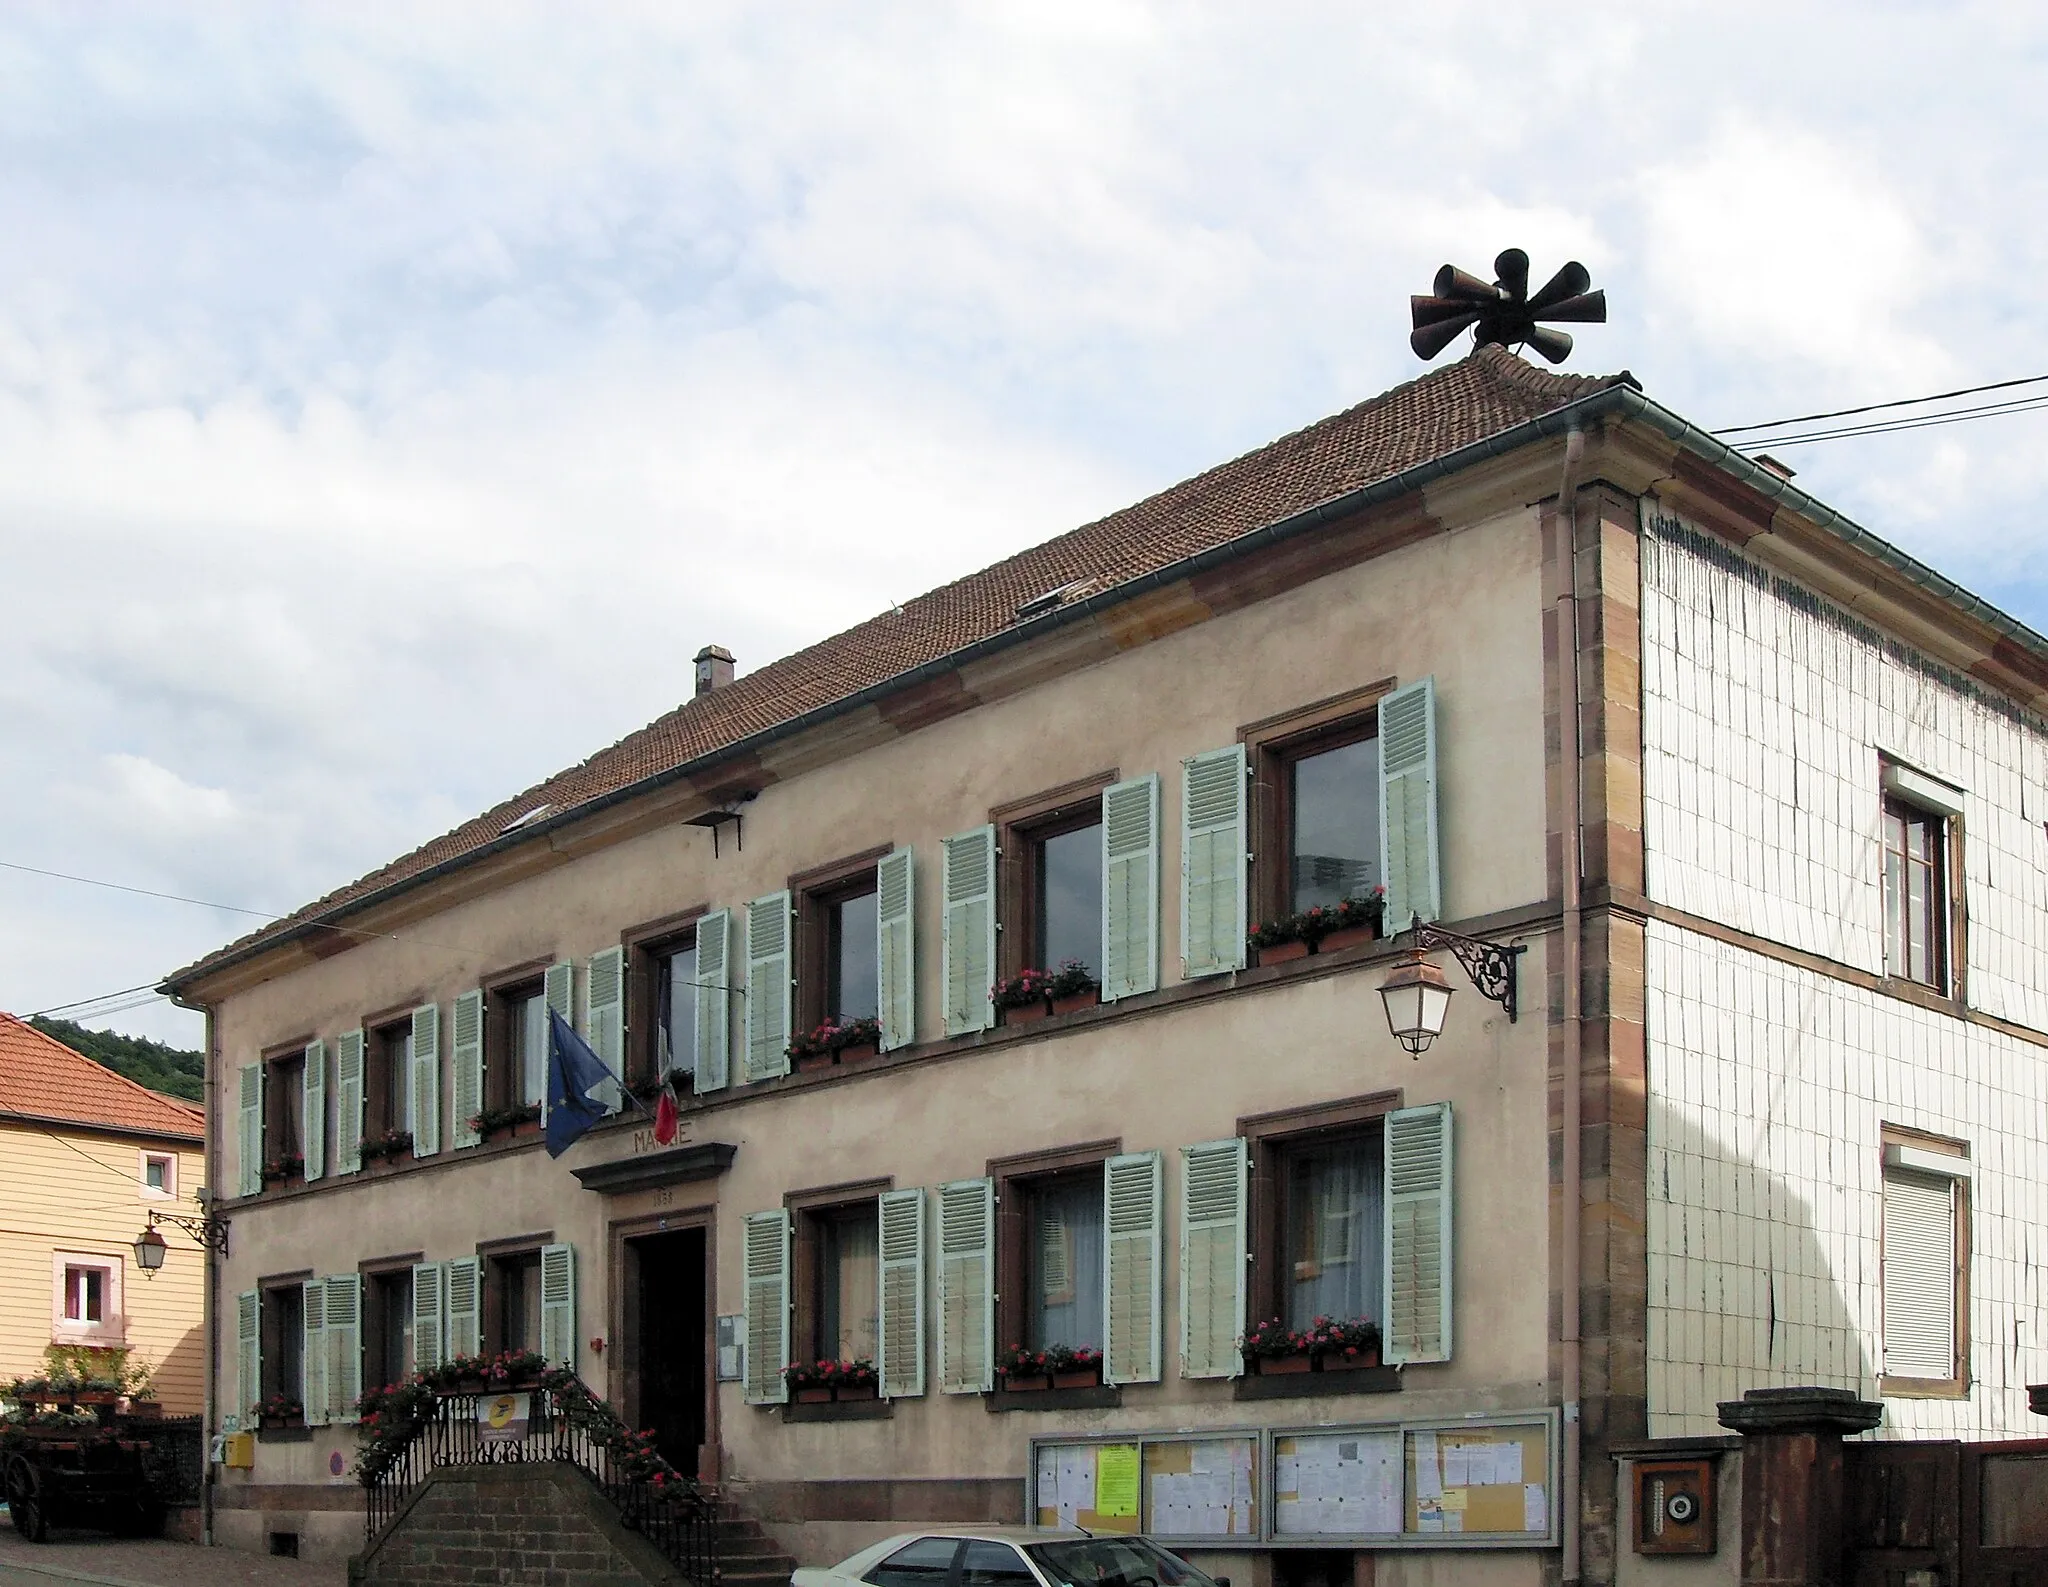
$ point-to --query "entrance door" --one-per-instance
(666, 1309)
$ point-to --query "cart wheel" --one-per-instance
(25, 1501)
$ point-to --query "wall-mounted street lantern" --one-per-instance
(150, 1249)
(1418, 995)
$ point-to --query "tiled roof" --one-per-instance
(40, 1076)
(1480, 396)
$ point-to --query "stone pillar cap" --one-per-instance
(1813, 1410)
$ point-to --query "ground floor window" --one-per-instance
(284, 1343)
(1332, 1225)
(387, 1326)
(512, 1300)
(1063, 1304)
(849, 1283)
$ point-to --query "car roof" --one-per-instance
(1002, 1534)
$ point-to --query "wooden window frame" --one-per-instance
(499, 990)
(1952, 951)
(1017, 1179)
(646, 945)
(807, 1210)
(812, 895)
(491, 1255)
(270, 1330)
(111, 1331)
(1021, 826)
(276, 1059)
(1271, 747)
(169, 1191)
(1270, 1138)
(371, 1320)
(1956, 1387)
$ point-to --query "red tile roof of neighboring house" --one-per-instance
(1489, 392)
(45, 1079)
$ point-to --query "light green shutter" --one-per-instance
(1212, 862)
(767, 1307)
(348, 1101)
(606, 1018)
(344, 1345)
(1130, 887)
(558, 991)
(558, 1305)
(426, 1080)
(768, 987)
(313, 1109)
(896, 908)
(468, 1040)
(714, 1000)
(429, 1315)
(465, 1306)
(1408, 817)
(1418, 1253)
(313, 1351)
(248, 1355)
(967, 866)
(249, 1134)
(900, 1216)
(966, 1301)
(1130, 1259)
(1212, 1258)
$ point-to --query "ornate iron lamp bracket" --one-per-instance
(1489, 966)
(210, 1232)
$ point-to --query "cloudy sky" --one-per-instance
(393, 399)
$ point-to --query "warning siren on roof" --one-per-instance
(1503, 313)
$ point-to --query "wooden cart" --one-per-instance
(81, 1475)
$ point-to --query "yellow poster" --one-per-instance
(1116, 1479)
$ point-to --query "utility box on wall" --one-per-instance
(1675, 1506)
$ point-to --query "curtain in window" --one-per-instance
(1334, 1232)
(1066, 1265)
(852, 1289)
(533, 1049)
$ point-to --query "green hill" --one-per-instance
(149, 1063)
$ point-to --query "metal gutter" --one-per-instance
(127, 1132)
(1624, 399)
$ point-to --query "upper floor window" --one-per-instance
(1052, 883)
(387, 1079)
(86, 1305)
(1318, 807)
(1063, 1297)
(284, 1103)
(516, 1044)
(1331, 1227)
(159, 1176)
(1922, 821)
(675, 1015)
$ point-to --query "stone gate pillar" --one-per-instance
(1792, 1481)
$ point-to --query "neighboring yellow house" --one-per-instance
(84, 1157)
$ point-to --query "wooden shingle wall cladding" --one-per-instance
(1612, 1079)
(75, 1192)
(1780, 1051)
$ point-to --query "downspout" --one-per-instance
(1572, 856)
(209, 1310)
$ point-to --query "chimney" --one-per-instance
(714, 668)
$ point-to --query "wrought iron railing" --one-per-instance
(566, 1423)
(176, 1458)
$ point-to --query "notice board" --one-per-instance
(1192, 1487)
(1337, 1484)
(1492, 1480)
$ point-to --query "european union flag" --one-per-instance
(574, 1072)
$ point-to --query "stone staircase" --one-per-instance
(747, 1555)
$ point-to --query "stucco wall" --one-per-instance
(1764, 715)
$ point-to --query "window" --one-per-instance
(512, 1301)
(675, 1018)
(1924, 1264)
(159, 1176)
(1317, 775)
(1318, 1187)
(284, 1102)
(986, 1563)
(838, 973)
(1049, 1251)
(86, 1299)
(662, 996)
(515, 1044)
(1052, 877)
(924, 1563)
(1915, 894)
(849, 1284)
(387, 1325)
(387, 1079)
(284, 1341)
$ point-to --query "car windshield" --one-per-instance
(1114, 1562)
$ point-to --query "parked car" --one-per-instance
(1010, 1557)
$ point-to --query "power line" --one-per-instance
(1873, 407)
(1890, 426)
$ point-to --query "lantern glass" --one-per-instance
(149, 1250)
(1417, 999)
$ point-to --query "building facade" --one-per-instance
(85, 1157)
(1774, 1030)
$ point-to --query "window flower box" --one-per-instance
(857, 1391)
(1280, 1366)
(1347, 937)
(817, 1394)
(812, 1062)
(496, 1124)
(1322, 928)
(1354, 1360)
(1026, 1013)
(859, 1052)
(1282, 952)
(1026, 1382)
(1073, 988)
(1344, 1345)
(1080, 1378)
(822, 1382)
(1024, 997)
(836, 1041)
